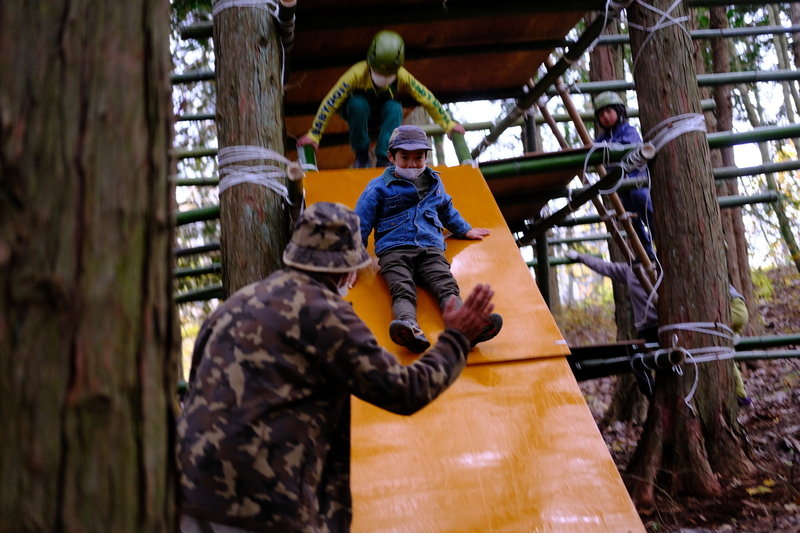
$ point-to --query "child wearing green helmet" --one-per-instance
(366, 95)
(612, 117)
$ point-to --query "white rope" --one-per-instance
(265, 175)
(270, 6)
(703, 354)
(665, 21)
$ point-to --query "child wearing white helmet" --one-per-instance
(612, 117)
(366, 95)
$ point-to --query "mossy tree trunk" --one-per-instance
(86, 318)
(684, 450)
(628, 404)
(249, 112)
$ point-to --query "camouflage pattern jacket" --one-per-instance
(264, 439)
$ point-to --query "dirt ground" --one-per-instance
(769, 500)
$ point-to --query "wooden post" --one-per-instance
(696, 446)
(543, 267)
(249, 112)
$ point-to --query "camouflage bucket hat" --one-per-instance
(327, 238)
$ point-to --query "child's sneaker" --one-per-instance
(490, 330)
(362, 160)
(745, 402)
(409, 334)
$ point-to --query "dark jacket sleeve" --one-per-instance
(615, 271)
(376, 376)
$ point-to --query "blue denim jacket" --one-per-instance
(392, 207)
(622, 134)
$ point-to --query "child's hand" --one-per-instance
(458, 128)
(352, 277)
(304, 140)
(477, 234)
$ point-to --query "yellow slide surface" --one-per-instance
(511, 446)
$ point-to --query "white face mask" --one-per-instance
(380, 80)
(409, 173)
(343, 288)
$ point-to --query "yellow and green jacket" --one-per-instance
(357, 80)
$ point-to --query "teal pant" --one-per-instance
(360, 115)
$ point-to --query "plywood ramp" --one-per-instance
(511, 446)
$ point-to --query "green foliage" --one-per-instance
(762, 285)
(182, 8)
(587, 323)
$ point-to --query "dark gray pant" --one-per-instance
(404, 266)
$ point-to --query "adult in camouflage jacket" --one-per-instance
(264, 438)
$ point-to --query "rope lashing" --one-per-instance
(696, 355)
(265, 175)
(665, 21)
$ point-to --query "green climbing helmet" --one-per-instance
(387, 53)
(606, 99)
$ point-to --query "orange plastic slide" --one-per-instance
(511, 446)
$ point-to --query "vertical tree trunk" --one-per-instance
(794, 16)
(628, 404)
(732, 225)
(684, 449)
(784, 223)
(86, 320)
(249, 112)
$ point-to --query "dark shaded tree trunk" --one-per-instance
(249, 112)
(732, 225)
(628, 404)
(87, 364)
(681, 449)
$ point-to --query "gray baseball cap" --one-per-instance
(408, 137)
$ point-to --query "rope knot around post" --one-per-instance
(675, 355)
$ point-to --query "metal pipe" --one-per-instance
(197, 215)
(724, 173)
(435, 129)
(460, 146)
(724, 202)
(185, 272)
(198, 117)
(537, 229)
(193, 76)
(183, 252)
(725, 33)
(200, 295)
(724, 139)
(573, 54)
(703, 80)
(197, 182)
(768, 341)
(197, 153)
(764, 354)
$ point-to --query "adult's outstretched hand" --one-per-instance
(471, 317)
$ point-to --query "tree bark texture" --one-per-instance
(736, 252)
(628, 404)
(87, 376)
(683, 449)
(249, 112)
